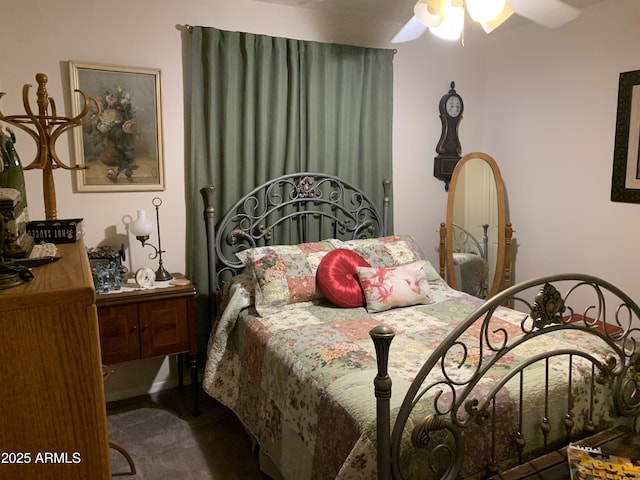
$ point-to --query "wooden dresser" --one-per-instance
(53, 422)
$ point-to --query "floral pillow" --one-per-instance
(284, 274)
(389, 287)
(384, 251)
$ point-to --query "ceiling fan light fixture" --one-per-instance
(431, 12)
(452, 25)
(484, 10)
(490, 25)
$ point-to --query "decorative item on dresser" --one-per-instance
(11, 171)
(17, 243)
(151, 322)
(52, 396)
(45, 128)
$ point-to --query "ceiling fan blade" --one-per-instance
(490, 25)
(548, 13)
(413, 29)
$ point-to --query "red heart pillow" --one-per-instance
(338, 279)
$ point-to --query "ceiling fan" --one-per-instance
(445, 18)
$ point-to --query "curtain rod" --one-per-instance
(189, 29)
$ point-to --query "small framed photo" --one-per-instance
(122, 150)
(625, 182)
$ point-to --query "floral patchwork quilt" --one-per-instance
(301, 379)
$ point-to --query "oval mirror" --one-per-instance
(476, 229)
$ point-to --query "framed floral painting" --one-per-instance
(121, 150)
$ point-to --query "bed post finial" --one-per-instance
(207, 194)
(382, 337)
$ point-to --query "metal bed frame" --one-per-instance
(318, 206)
(600, 310)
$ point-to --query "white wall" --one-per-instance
(423, 71)
(551, 104)
(541, 102)
(41, 36)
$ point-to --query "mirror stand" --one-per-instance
(475, 240)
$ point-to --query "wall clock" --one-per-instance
(449, 149)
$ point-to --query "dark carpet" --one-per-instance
(167, 443)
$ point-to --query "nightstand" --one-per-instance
(147, 323)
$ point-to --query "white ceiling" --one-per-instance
(390, 10)
(393, 10)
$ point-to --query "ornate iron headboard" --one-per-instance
(290, 209)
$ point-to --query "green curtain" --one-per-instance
(263, 106)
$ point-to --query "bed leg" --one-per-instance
(382, 337)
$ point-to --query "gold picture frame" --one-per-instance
(123, 149)
(625, 182)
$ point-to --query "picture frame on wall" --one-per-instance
(625, 182)
(122, 150)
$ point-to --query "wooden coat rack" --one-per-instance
(45, 128)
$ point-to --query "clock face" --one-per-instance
(453, 106)
(145, 277)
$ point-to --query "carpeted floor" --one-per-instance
(167, 443)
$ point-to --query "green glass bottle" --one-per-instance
(12, 176)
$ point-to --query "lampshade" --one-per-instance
(141, 226)
(452, 25)
(484, 10)
(503, 16)
(431, 12)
